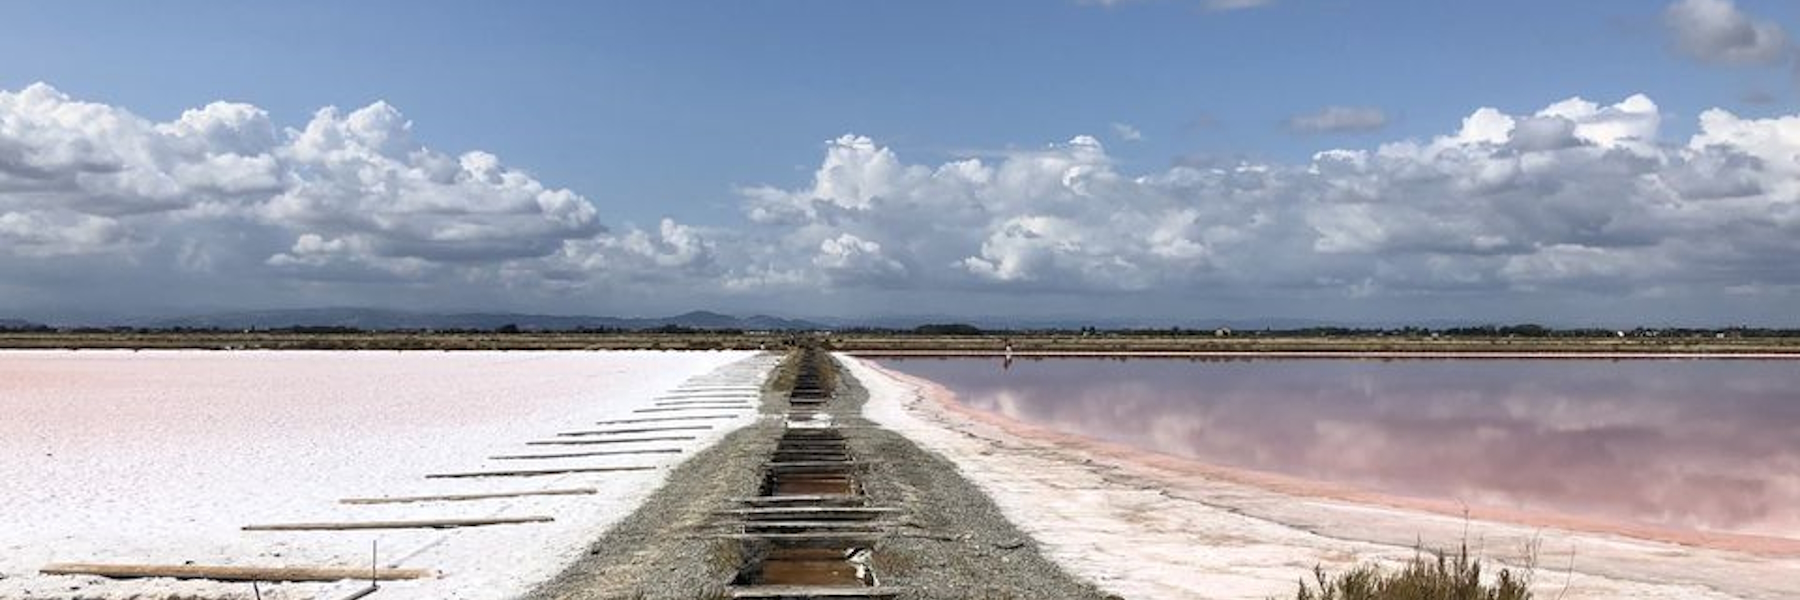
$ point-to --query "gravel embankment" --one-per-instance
(954, 542)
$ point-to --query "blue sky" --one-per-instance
(673, 110)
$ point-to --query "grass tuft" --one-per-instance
(1437, 576)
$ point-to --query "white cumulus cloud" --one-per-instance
(1578, 197)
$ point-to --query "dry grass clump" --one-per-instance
(1439, 576)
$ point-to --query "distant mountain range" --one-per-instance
(380, 319)
(377, 319)
(16, 324)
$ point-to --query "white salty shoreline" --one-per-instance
(161, 457)
(1143, 531)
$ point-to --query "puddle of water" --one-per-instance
(805, 566)
(1706, 445)
(808, 484)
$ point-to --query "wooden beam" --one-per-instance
(807, 510)
(581, 454)
(585, 442)
(231, 573)
(805, 525)
(813, 591)
(465, 497)
(636, 430)
(661, 419)
(827, 538)
(422, 524)
(535, 472)
(801, 498)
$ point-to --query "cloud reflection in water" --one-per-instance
(1691, 444)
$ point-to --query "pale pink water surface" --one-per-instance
(1702, 445)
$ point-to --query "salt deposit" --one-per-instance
(161, 458)
(1144, 527)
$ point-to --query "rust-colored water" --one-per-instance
(807, 566)
(806, 484)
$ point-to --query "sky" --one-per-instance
(1172, 161)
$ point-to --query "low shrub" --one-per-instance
(1433, 576)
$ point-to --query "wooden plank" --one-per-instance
(870, 525)
(535, 472)
(813, 591)
(798, 498)
(231, 573)
(636, 430)
(699, 402)
(421, 524)
(588, 442)
(682, 408)
(818, 538)
(465, 497)
(581, 454)
(662, 419)
(807, 510)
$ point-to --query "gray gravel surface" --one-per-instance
(957, 544)
(953, 544)
(662, 550)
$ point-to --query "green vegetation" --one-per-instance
(1435, 577)
(947, 329)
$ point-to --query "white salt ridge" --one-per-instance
(160, 458)
(1139, 534)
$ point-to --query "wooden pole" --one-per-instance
(635, 430)
(582, 454)
(465, 497)
(534, 472)
(229, 573)
(580, 442)
(422, 524)
(660, 419)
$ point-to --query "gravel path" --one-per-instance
(955, 543)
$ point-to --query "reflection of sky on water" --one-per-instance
(1709, 445)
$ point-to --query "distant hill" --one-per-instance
(384, 319)
(17, 324)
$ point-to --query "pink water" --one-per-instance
(1697, 445)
